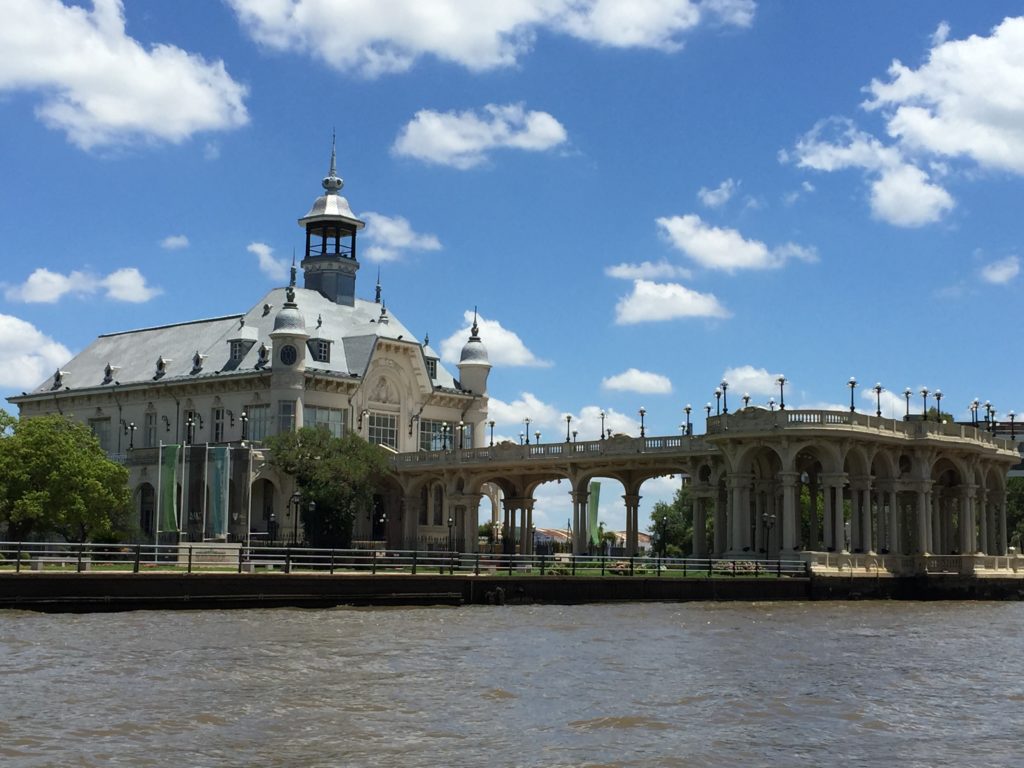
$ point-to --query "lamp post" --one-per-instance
(444, 436)
(1013, 417)
(602, 424)
(294, 506)
(878, 399)
(686, 410)
(574, 435)
(491, 425)
(852, 384)
(451, 534)
(782, 392)
(537, 435)
(993, 422)
(495, 535)
(521, 436)
(769, 522)
(746, 399)
(924, 400)
(906, 395)
(245, 425)
(462, 432)
(771, 404)
(190, 427)
(682, 430)
(130, 430)
(988, 413)
(974, 411)
(938, 405)
(568, 423)
(664, 534)
(312, 511)
(643, 412)
(725, 396)
(384, 526)
(526, 421)
(707, 412)
(718, 401)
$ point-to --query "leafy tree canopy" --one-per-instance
(339, 474)
(56, 480)
(672, 525)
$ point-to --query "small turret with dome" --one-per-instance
(474, 363)
(330, 264)
(289, 334)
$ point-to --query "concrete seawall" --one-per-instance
(89, 592)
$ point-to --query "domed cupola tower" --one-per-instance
(474, 364)
(289, 339)
(330, 265)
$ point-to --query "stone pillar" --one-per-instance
(789, 524)
(815, 529)
(632, 514)
(720, 524)
(410, 520)
(527, 537)
(981, 510)
(1000, 510)
(921, 547)
(700, 538)
(739, 512)
(968, 534)
(579, 517)
(895, 545)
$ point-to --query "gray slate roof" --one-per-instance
(134, 354)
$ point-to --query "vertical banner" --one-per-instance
(218, 476)
(167, 501)
(593, 534)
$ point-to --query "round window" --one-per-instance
(288, 354)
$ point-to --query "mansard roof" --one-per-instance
(353, 332)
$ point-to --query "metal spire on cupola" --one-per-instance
(290, 293)
(377, 296)
(474, 332)
(332, 183)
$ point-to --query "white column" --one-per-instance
(790, 536)
(700, 539)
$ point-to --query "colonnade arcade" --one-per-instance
(760, 485)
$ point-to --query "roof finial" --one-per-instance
(475, 331)
(332, 183)
(377, 299)
(426, 339)
(290, 293)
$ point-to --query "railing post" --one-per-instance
(190, 558)
(451, 563)
(684, 567)
(603, 558)
(17, 562)
(632, 563)
(757, 568)
(81, 549)
(414, 553)
(332, 561)
(476, 570)
(542, 565)
(241, 549)
(288, 558)
(138, 557)
(510, 564)
(710, 567)
(778, 571)
(573, 563)
(657, 564)
(734, 569)
(373, 564)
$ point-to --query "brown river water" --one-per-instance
(654, 684)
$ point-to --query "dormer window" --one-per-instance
(197, 362)
(237, 350)
(58, 379)
(321, 350)
(263, 356)
(161, 367)
(109, 371)
(432, 367)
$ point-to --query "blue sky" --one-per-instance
(641, 198)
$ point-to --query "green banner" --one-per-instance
(593, 534)
(167, 514)
(218, 475)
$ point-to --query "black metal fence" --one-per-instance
(211, 557)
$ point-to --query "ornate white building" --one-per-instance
(315, 355)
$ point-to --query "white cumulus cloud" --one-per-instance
(29, 354)
(274, 268)
(726, 249)
(463, 139)
(653, 302)
(375, 38)
(904, 196)
(1002, 271)
(46, 287)
(504, 347)
(748, 379)
(646, 270)
(719, 196)
(174, 242)
(634, 380)
(390, 236)
(102, 87)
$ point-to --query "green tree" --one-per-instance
(671, 525)
(56, 480)
(1015, 510)
(338, 473)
